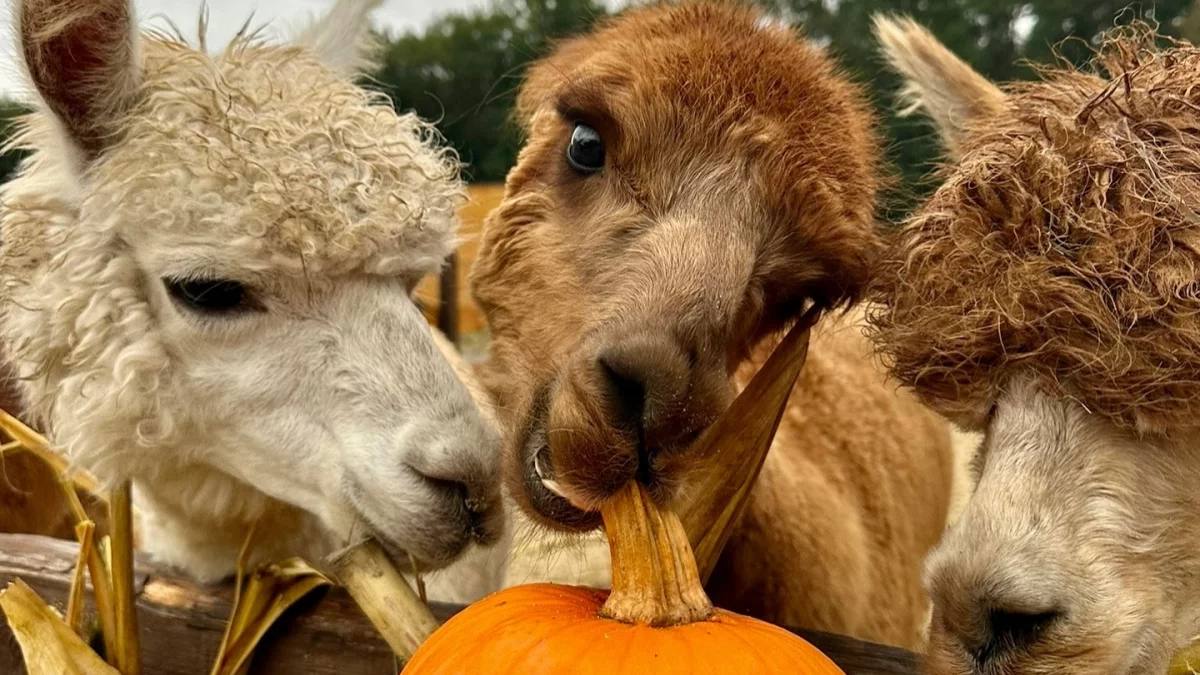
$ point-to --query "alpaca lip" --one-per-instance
(546, 477)
(544, 494)
(551, 505)
(543, 491)
(400, 555)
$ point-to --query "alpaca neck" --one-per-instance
(198, 518)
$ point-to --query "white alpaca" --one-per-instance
(206, 271)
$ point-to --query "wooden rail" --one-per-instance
(181, 623)
(447, 316)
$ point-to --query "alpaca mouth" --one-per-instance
(369, 524)
(544, 489)
(541, 462)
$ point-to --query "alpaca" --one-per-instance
(1048, 294)
(693, 177)
(207, 264)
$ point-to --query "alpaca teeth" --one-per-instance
(549, 483)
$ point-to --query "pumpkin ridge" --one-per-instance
(751, 648)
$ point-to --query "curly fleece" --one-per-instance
(258, 147)
(1065, 243)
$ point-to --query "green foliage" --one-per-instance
(463, 69)
(999, 38)
(463, 72)
(9, 112)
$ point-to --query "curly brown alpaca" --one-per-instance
(1048, 294)
(694, 176)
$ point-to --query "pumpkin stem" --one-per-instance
(654, 575)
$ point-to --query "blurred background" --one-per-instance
(458, 63)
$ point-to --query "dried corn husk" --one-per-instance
(267, 594)
(49, 646)
(1186, 662)
(258, 602)
(733, 449)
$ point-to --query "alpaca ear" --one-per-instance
(952, 94)
(342, 38)
(81, 56)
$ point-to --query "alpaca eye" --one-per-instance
(586, 151)
(209, 296)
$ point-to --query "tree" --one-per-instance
(9, 112)
(997, 37)
(463, 71)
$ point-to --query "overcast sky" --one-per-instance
(226, 16)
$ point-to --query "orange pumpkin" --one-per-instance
(657, 618)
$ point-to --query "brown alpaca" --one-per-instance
(694, 176)
(1048, 294)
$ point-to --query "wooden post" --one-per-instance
(448, 299)
(182, 622)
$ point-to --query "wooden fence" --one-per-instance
(446, 299)
(181, 622)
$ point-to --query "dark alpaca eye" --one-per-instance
(586, 151)
(209, 296)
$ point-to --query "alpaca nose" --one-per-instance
(461, 470)
(1006, 630)
(480, 506)
(658, 392)
(995, 599)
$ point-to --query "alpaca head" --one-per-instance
(693, 177)
(208, 262)
(1075, 555)
(1047, 295)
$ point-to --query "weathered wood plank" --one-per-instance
(181, 623)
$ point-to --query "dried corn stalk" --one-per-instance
(128, 655)
(84, 532)
(37, 444)
(384, 596)
(109, 562)
(49, 646)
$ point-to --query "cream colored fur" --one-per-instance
(323, 414)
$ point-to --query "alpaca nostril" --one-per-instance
(627, 394)
(626, 390)
(656, 394)
(1014, 629)
(456, 490)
